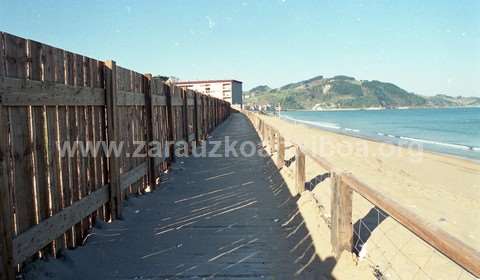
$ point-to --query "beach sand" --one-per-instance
(443, 190)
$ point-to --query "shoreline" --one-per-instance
(375, 109)
(377, 140)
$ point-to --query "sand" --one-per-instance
(443, 190)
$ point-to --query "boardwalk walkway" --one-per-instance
(221, 218)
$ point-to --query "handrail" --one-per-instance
(453, 248)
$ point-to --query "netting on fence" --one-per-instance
(393, 251)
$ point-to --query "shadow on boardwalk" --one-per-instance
(212, 218)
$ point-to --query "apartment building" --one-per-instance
(228, 90)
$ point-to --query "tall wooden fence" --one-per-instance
(49, 97)
(343, 186)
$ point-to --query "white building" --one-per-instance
(228, 90)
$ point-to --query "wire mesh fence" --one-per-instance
(392, 251)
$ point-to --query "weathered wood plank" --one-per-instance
(21, 92)
(176, 100)
(170, 123)
(71, 137)
(55, 165)
(16, 66)
(272, 141)
(39, 235)
(150, 126)
(88, 136)
(115, 203)
(281, 151)
(158, 100)
(37, 53)
(80, 228)
(128, 98)
(299, 170)
(133, 175)
(6, 215)
(341, 216)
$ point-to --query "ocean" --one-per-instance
(454, 131)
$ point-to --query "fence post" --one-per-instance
(281, 151)
(113, 138)
(171, 145)
(300, 170)
(148, 90)
(6, 258)
(272, 141)
(184, 94)
(195, 117)
(341, 215)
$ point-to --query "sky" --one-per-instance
(426, 47)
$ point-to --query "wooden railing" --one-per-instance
(48, 97)
(343, 184)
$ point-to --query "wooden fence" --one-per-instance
(343, 184)
(48, 97)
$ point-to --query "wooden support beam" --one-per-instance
(300, 170)
(115, 202)
(272, 141)
(6, 225)
(148, 90)
(341, 216)
(195, 117)
(184, 94)
(281, 151)
(22, 92)
(38, 236)
(170, 138)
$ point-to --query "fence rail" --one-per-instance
(343, 184)
(48, 97)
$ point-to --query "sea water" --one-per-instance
(454, 131)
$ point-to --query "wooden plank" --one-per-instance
(21, 92)
(176, 100)
(272, 141)
(68, 127)
(184, 114)
(37, 54)
(55, 160)
(299, 170)
(96, 138)
(2, 55)
(16, 52)
(341, 235)
(38, 236)
(451, 247)
(81, 228)
(149, 122)
(133, 175)
(128, 98)
(170, 122)
(89, 164)
(159, 100)
(6, 216)
(281, 151)
(115, 203)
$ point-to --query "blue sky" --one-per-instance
(427, 47)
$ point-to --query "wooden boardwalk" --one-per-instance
(221, 218)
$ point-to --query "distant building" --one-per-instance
(228, 90)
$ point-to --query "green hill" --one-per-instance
(347, 92)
